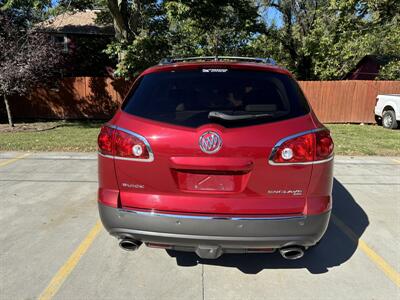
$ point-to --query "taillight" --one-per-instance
(299, 149)
(323, 144)
(105, 140)
(303, 148)
(130, 146)
(123, 144)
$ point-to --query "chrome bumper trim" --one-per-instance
(196, 217)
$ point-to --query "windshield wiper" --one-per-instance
(228, 117)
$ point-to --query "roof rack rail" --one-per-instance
(268, 60)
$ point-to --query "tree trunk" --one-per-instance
(10, 121)
(119, 12)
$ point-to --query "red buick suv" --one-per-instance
(216, 155)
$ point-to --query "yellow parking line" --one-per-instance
(396, 160)
(9, 161)
(63, 273)
(389, 271)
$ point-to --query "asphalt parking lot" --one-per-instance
(53, 246)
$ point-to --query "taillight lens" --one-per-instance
(105, 140)
(309, 147)
(324, 145)
(121, 143)
(299, 149)
(129, 146)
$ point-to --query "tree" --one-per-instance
(28, 59)
(287, 41)
(211, 27)
(353, 30)
(321, 39)
(63, 6)
(26, 12)
(121, 12)
(77, 4)
(149, 30)
(141, 35)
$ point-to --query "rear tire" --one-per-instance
(389, 119)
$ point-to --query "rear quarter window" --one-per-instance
(187, 97)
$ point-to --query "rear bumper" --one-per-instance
(226, 233)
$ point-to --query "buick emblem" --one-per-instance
(210, 142)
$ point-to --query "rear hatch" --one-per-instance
(211, 132)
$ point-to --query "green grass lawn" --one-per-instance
(81, 136)
(353, 139)
(67, 136)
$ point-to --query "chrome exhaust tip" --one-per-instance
(292, 253)
(129, 244)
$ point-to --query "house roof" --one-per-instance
(76, 22)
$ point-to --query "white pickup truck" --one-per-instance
(387, 110)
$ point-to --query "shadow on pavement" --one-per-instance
(334, 249)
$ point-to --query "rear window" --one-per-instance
(232, 98)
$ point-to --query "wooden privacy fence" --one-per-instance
(98, 98)
(347, 101)
(72, 98)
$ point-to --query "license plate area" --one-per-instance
(217, 182)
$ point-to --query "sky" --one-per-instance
(272, 15)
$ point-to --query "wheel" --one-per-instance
(389, 119)
(378, 120)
